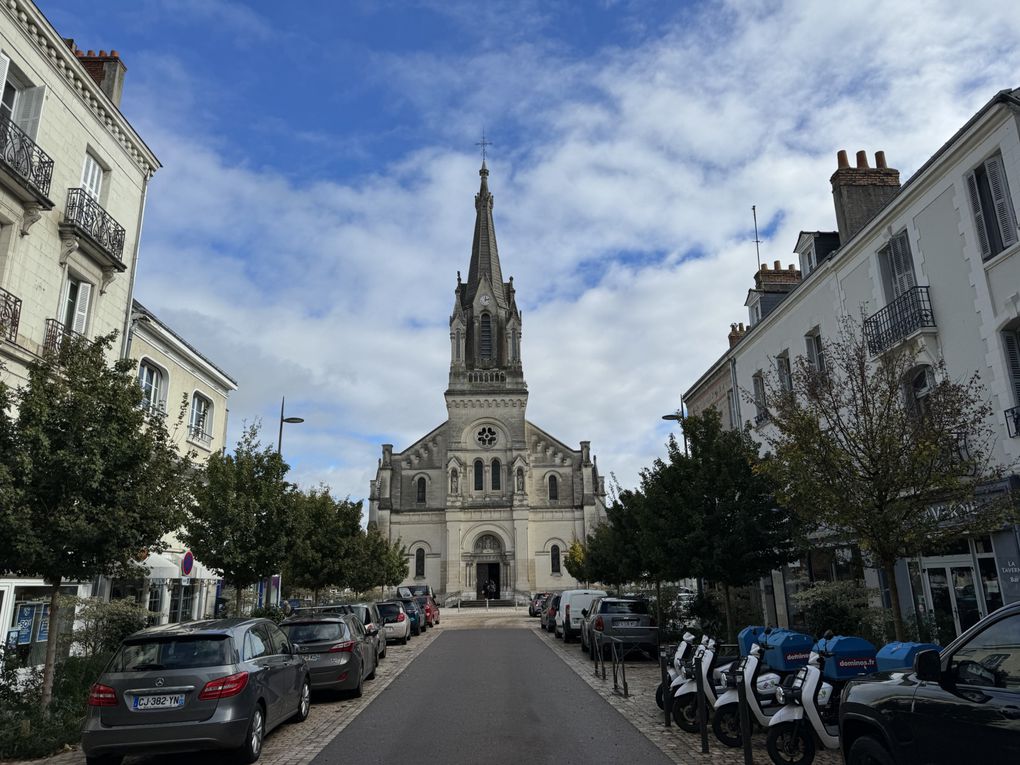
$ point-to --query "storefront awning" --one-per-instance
(161, 567)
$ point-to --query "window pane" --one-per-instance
(554, 491)
(485, 346)
(496, 475)
(171, 653)
(314, 633)
(479, 475)
(992, 658)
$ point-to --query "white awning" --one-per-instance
(161, 567)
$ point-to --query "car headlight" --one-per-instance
(781, 695)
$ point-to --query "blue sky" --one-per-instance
(316, 199)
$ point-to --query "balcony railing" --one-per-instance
(88, 215)
(24, 159)
(1013, 422)
(196, 433)
(907, 314)
(10, 316)
(56, 332)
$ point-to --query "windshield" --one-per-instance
(362, 613)
(182, 652)
(389, 609)
(316, 632)
(625, 607)
(410, 606)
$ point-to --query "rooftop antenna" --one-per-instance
(757, 241)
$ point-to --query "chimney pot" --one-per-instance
(793, 266)
(841, 159)
(862, 160)
(114, 54)
(880, 160)
(78, 53)
(778, 266)
(764, 266)
(741, 326)
(102, 54)
(91, 53)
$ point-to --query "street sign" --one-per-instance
(187, 563)
(185, 581)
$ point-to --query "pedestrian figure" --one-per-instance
(490, 589)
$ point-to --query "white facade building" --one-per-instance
(934, 263)
(487, 495)
(73, 179)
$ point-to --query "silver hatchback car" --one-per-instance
(217, 684)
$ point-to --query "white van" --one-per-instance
(568, 617)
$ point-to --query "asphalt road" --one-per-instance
(489, 696)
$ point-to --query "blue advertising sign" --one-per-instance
(44, 625)
(26, 616)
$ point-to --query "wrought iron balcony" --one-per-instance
(196, 433)
(10, 316)
(29, 164)
(88, 216)
(56, 332)
(1013, 422)
(907, 314)
(762, 416)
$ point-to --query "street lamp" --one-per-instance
(291, 420)
(681, 418)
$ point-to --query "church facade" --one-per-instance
(487, 497)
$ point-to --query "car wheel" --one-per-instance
(658, 695)
(868, 751)
(304, 703)
(375, 666)
(252, 747)
(385, 648)
(403, 640)
(685, 713)
(357, 692)
(726, 725)
(791, 743)
(106, 759)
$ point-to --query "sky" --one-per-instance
(320, 163)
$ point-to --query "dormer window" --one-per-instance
(808, 261)
(755, 312)
(485, 340)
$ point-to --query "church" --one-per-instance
(487, 499)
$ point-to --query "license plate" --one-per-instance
(162, 701)
(311, 657)
(626, 622)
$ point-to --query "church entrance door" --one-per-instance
(488, 572)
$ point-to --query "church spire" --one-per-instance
(484, 253)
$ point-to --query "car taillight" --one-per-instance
(599, 624)
(102, 696)
(224, 687)
(401, 617)
(346, 647)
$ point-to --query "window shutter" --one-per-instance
(902, 264)
(81, 307)
(1012, 340)
(28, 110)
(5, 64)
(92, 177)
(1004, 214)
(979, 220)
(809, 341)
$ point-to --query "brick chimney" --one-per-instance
(737, 332)
(860, 192)
(776, 279)
(105, 68)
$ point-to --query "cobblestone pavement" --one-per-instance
(640, 709)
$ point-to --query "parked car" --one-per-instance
(587, 617)
(960, 705)
(535, 607)
(339, 651)
(372, 619)
(213, 684)
(627, 619)
(416, 615)
(551, 606)
(568, 617)
(422, 589)
(396, 623)
(427, 605)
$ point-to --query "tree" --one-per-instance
(326, 540)
(241, 521)
(88, 481)
(857, 454)
(576, 561)
(380, 563)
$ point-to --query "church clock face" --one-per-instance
(485, 299)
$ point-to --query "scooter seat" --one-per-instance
(722, 661)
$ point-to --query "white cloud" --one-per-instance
(337, 293)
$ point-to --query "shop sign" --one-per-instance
(1007, 559)
(44, 625)
(26, 616)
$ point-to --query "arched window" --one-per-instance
(554, 488)
(554, 559)
(419, 562)
(457, 349)
(479, 475)
(421, 489)
(201, 419)
(919, 384)
(485, 344)
(497, 472)
(150, 378)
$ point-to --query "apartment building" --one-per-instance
(935, 263)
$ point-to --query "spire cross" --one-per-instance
(484, 144)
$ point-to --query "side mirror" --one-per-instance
(928, 666)
(373, 630)
(584, 612)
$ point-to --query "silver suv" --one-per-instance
(627, 619)
(217, 684)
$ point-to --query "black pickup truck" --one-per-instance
(958, 706)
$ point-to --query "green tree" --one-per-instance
(88, 481)
(240, 522)
(326, 541)
(380, 563)
(576, 561)
(856, 453)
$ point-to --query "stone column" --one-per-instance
(522, 551)
(452, 577)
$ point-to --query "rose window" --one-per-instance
(486, 436)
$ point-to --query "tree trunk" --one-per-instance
(315, 596)
(889, 569)
(729, 613)
(238, 599)
(49, 667)
(658, 603)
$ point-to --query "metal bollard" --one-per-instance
(745, 719)
(667, 696)
(702, 707)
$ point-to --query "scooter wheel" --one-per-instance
(791, 743)
(685, 712)
(658, 696)
(726, 725)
